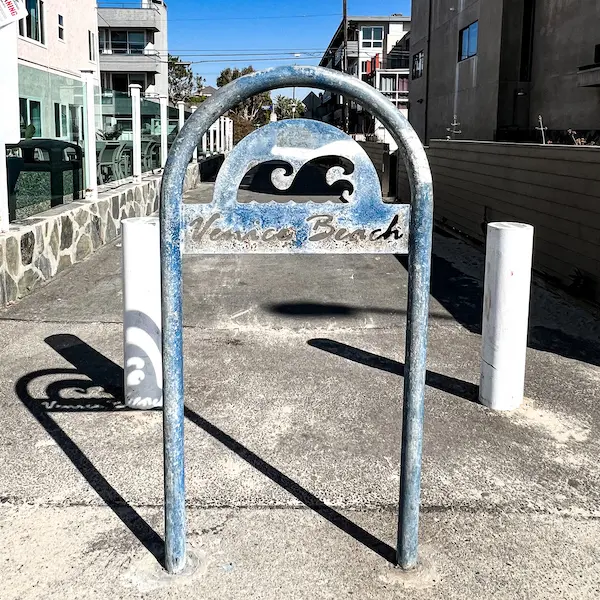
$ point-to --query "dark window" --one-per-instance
(61, 27)
(467, 43)
(92, 45)
(137, 42)
(31, 118)
(32, 26)
(118, 42)
(104, 40)
(56, 119)
(128, 42)
(417, 65)
(372, 37)
(120, 82)
(597, 54)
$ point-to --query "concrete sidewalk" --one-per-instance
(294, 383)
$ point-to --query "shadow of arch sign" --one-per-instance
(360, 223)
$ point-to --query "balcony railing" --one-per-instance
(400, 99)
(126, 63)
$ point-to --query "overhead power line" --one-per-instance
(258, 18)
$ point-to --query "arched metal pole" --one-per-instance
(421, 224)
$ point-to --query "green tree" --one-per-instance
(289, 108)
(198, 97)
(181, 79)
(252, 109)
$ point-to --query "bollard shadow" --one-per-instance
(96, 383)
(462, 296)
(450, 385)
(94, 370)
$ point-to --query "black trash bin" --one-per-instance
(50, 156)
(14, 166)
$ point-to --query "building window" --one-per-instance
(127, 42)
(120, 82)
(372, 37)
(103, 41)
(468, 41)
(61, 28)
(417, 64)
(31, 118)
(388, 83)
(365, 66)
(92, 45)
(61, 120)
(32, 26)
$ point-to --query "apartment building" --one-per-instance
(56, 42)
(378, 53)
(488, 69)
(133, 46)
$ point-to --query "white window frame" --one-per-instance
(61, 28)
(107, 80)
(92, 46)
(371, 42)
(41, 21)
(38, 134)
(62, 134)
(418, 65)
(104, 34)
(108, 41)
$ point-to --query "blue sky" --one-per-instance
(218, 34)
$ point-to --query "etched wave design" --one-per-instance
(318, 180)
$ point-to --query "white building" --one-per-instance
(133, 46)
(378, 53)
(56, 42)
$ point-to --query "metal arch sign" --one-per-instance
(359, 222)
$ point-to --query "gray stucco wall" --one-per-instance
(482, 90)
(565, 35)
(468, 88)
(553, 188)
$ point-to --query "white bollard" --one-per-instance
(222, 135)
(195, 157)
(135, 90)
(213, 137)
(181, 114)
(89, 128)
(164, 129)
(230, 147)
(505, 314)
(142, 312)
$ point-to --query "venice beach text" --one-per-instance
(323, 227)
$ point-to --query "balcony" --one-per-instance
(589, 76)
(129, 18)
(352, 52)
(131, 63)
(399, 99)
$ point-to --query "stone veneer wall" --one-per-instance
(37, 248)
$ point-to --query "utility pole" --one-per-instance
(345, 63)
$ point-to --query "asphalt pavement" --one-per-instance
(293, 370)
